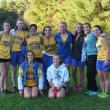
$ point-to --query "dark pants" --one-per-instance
(91, 72)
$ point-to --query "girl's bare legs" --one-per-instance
(101, 77)
(106, 81)
(74, 76)
(50, 93)
(14, 75)
(30, 92)
(61, 93)
(34, 91)
(27, 92)
(4, 75)
(81, 78)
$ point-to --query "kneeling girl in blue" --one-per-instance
(30, 78)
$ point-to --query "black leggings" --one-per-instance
(91, 72)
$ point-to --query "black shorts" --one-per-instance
(39, 60)
(30, 86)
(4, 60)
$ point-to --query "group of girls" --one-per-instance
(43, 61)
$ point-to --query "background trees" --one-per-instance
(51, 12)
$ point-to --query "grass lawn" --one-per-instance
(72, 101)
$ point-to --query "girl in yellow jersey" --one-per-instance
(17, 56)
(5, 46)
(30, 78)
(34, 42)
(103, 60)
(49, 45)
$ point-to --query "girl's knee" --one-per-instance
(61, 93)
(50, 93)
(51, 96)
(34, 91)
(27, 92)
(27, 96)
(34, 95)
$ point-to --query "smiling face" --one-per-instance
(30, 57)
(56, 60)
(33, 30)
(86, 29)
(20, 24)
(79, 28)
(96, 31)
(63, 27)
(47, 31)
(6, 27)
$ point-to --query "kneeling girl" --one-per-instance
(30, 78)
(57, 76)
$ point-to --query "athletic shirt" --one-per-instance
(30, 79)
(102, 50)
(90, 41)
(34, 44)
(5, 46)
(49, 45)
(18, 40)
(64, 38)
(63, 44)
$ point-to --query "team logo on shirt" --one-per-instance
(6, 43)
(18, 40)
(57, 74)
(35, 45)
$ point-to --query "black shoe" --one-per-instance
(14, 89)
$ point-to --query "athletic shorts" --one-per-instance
(100, 66)
(47, 61)
(17, 58)
(77, 63)
(31, 86)
(4, 60)
(24, 50)
(67, 60)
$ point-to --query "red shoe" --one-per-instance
(80, 88)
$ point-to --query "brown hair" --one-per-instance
(43, 32)
(60, 57)
(87, 24)
(99, 27)
(30, 51)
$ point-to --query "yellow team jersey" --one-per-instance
(49, 45)
(5, 46)
(102, 50)
(18, 40)
(30, 79)
(64, 38)
(34, 44)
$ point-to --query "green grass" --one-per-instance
(72, 101)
